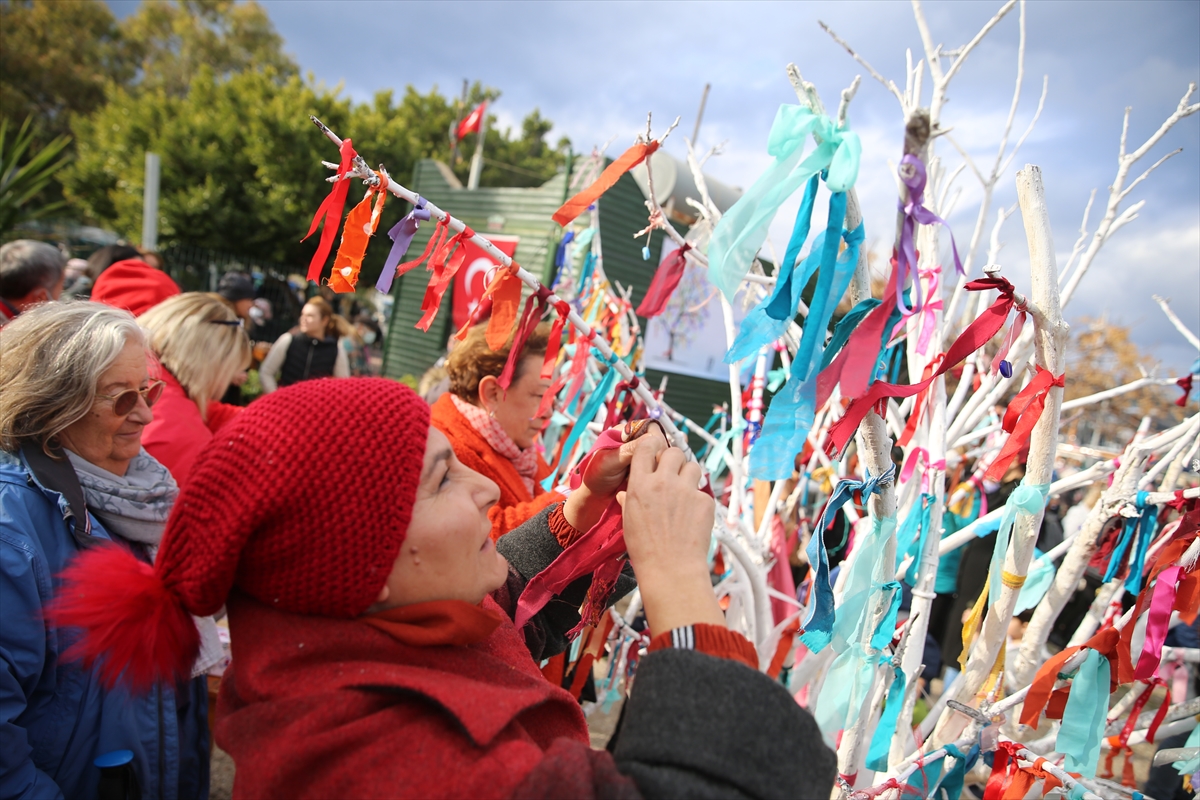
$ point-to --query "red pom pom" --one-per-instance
(132, 625)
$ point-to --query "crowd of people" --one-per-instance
(366, 552)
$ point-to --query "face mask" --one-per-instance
(369, 337)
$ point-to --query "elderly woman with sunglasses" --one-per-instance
(76, 389)
(201, 345)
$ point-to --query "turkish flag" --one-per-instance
(473, 275)
(472, 122)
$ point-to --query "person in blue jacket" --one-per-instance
(75, 393)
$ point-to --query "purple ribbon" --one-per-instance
(401, 235)
(914, 178)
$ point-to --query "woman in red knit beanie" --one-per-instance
(371, 617)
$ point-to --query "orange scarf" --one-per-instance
(438, 622)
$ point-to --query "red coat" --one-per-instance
(516, 504)
(178, 432)
(320, 707)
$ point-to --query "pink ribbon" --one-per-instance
(1014, 331)
(600, 551)
(1157, 619)
(910, 464)
(933, 304)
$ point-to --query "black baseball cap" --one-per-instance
(235, 286)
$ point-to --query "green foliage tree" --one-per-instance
(172, 42)
(21, 182)
(56, 59)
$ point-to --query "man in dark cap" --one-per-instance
(238, 289)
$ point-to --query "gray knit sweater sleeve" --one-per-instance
(697, 726)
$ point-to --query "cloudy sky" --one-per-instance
(595, 69)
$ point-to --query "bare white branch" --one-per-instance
(1142, 177)
(847, 95)
(1163, 303)
(888, 84)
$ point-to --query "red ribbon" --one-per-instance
(555, 340)
(666, 278)
(1184, 383)
(330, 212)
(975, 336)
(529, 321)
(855, 363)
(1007, 779)
(600, 550)
(435, 241)
(444, 267)
(505, 294)
(1022, 414)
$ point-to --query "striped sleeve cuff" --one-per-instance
(713, 640)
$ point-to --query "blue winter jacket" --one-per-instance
(55, 716)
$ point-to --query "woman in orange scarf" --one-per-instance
(494, 432)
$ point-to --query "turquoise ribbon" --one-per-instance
(743, 229)
(912, 536)
(767, 321)
(845, 327)
(1026, 500)
(790, 415)
(952, 785)
(1084, 716)
(1037, 582)
(1192, 764)
(1144, 526)
(818, 627)
(861, 592)
(881, 740)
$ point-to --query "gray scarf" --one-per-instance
(135, 507)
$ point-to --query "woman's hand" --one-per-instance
(607, 471)
(668, 526)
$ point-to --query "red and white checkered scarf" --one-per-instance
(526, 461)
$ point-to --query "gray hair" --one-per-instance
(54, 355)
(26, 265)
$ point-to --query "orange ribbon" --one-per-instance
(361, 224)
(506, 297)
(579, 203)
(1104, 642)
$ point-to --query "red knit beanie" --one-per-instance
(302, 502)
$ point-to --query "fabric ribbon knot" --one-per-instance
(1020, 418)
(979, 332)
(742, 230)
(444, 265)
(818, 626)
(330, 212)
(912, 173)
(401, 235)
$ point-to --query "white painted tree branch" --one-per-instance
(1050, 336)
(1164, 304)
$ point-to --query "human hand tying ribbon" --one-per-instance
(599, 478)
(595, 509)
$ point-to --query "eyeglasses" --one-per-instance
(233, 323)
(124, 402)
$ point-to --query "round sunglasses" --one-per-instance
(124, 402)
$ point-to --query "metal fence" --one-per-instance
(198, 269)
